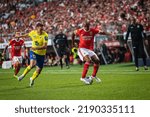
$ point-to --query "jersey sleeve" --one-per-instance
(96, 31)
(10, 42)
(77, 32)
(30, 34)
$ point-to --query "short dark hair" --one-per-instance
(39, 24)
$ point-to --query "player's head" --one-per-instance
(17, 34)
(133, 20)
(86, 25)
(39, 27)
(60, 30)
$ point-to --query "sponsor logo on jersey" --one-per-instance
(87, 37)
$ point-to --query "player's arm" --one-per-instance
(104, 33)
(126, 38)
(4, 52)
(66, 41)
(54, 41)
(127, 35)
(23, 36)
(144, 36)
(143, 32)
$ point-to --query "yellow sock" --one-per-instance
(26, 70)
(35, 75)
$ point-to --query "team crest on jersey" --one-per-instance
(91, 33)
(36, 43)
(46, 38)
(34, 36)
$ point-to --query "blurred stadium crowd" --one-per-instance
(110, 15)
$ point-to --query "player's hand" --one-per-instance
(33, 48)
(125, 45)
(146, 42)
(3, 54)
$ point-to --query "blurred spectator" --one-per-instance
(109, 15)
(61, 44)
(112, 15)
(138, 37)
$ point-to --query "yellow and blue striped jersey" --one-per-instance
(38, 40)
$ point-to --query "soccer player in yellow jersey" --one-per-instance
(39, 44)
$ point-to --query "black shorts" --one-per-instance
(61, 52)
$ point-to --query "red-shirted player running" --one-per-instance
(85, 51)
(16, 45)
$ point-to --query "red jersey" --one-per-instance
(16, 47)
(87, 38)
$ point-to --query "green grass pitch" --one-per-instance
(119, 82)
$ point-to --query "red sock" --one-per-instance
(17, 70)
(85, 69)
(95, 69)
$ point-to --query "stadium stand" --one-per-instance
(110, 15)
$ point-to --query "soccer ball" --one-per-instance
(89, 79)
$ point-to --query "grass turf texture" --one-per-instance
(119, 82)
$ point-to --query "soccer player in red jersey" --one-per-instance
(85, 51)
(16, 45)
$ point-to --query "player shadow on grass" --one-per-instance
(74, 85)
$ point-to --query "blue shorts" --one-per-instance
(39, 59)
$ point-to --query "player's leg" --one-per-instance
(65, 54)
(29, 67)
(143, 56)
(84, 56)
(17, 68)
(16, 65)
(135, 50)
(59, 51)
(66, 61)
(96, 64)
(35, 75)
(39, 67)
(61, 62)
